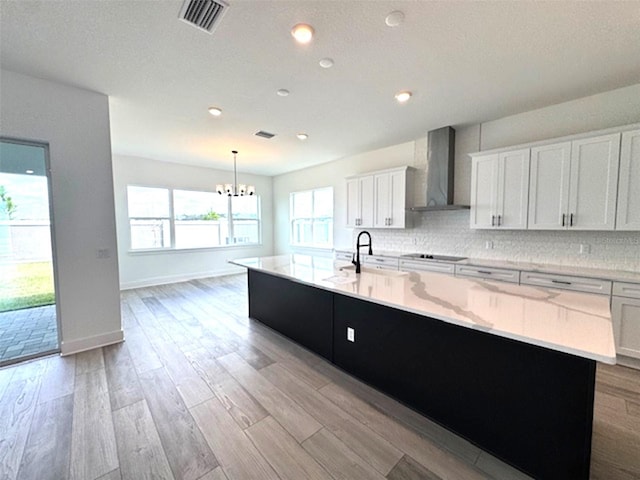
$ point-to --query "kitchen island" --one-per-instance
(510, 368)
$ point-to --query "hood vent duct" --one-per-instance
(440, 168)
(203, 14)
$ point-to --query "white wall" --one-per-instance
(75, 124)
(153, 268)
(449, 232)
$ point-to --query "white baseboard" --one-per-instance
(89, 343)
(165, 279)
(628, 362)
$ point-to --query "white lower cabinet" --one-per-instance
(626, 325)
(625, 313)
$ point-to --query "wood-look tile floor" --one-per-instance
(199, 391)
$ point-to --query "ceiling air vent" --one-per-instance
(264, 134)
(203, 14)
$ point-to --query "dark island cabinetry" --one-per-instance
(302, 313)
(528, 405)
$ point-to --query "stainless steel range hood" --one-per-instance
(440, 168)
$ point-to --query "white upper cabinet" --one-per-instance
(499, 190)
(593, 185)
(629, 185)
(379, 199)
(549, 186)
(484, 190)
(390, 199)
(360, 208)
(574, 184)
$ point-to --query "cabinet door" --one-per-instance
(484, 183)
(513, 189)
(626, 325)
(382, 200)
(398, 199)
(594, 182)
(366, 201)
(549, 187)
(353, 202)
(629, 186)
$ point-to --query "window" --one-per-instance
(162, 218)
(245, 219)
(311, 214)
(201, 219)
(149, 217)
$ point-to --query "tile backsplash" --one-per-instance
(448, 232)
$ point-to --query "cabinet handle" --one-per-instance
(562, 282)
(486, 272)
(564, 216)
(499, 220)
(390, 222)
(493, 220)
(571, 220)
(378, 259)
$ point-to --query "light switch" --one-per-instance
(351, 334)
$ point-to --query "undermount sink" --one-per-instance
(376, 271)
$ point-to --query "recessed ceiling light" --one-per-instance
(326, 62)
(394, 18)
(403, 97)
(215, 111)
(302, 136)
(302, 32)
(29, 171)
(283, 92)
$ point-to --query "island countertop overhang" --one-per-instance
(569, 322)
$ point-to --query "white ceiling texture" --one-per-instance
(464, 61)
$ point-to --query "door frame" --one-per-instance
(54, 257)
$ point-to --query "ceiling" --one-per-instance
(465, 62)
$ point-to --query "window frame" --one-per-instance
(172, 221)
(312, 219)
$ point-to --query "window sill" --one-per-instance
(160, 251)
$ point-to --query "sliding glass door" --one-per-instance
(28, 318)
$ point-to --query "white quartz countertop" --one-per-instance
(599, 273)
(566, 321)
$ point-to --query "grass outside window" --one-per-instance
(26, 285)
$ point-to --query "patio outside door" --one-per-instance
(28, 317)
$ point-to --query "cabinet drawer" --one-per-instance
(343, 256)
(512, 276)
(380, 261)
(579, 284)
(623, 289)
(427, 266)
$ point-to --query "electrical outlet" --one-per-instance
(351, 334)
(415, 241)
(103, 253)
(585, 249)
(488, 245)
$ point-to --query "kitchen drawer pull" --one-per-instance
(499, 220)
(378, 259)
(493, 220)
(564, 216)
(486, 272)
(561, 282)
(571, 220)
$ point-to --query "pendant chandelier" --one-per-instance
(235, 189)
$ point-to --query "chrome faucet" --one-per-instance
(356, 262)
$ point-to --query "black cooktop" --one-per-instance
(429, 256)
